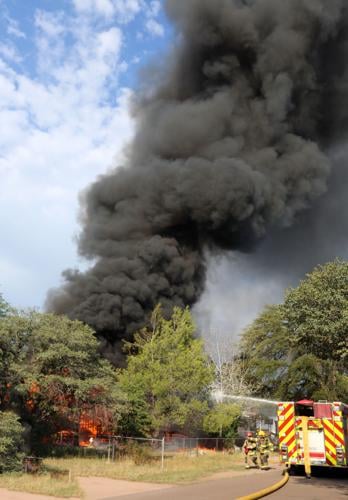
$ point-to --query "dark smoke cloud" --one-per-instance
(229, 145)
(280, 261)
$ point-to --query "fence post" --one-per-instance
(113, 450)
(162, 454)
(109, 450)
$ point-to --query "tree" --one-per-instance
(223, 420)
(52, 372)
(11, 442)
(168, 376)
(317, 313)
(264, 350)
(4, 307)
(300, 349)
(312, 377)
(230, 368)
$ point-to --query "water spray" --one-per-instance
(220, 396)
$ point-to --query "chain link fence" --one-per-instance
(147, 450)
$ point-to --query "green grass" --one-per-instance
(179, 468)
(40, 484)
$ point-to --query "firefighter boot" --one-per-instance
(264, 462)
(254, 459)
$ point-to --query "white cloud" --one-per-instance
(154, 8)
(123, 10)
(103, 7)
(109, 43)
(59, 130)
(51, 24)
(127, 9)
(154, 27)
(13, 28)
(9, 52)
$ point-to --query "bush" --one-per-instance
(11, 442)
(53, 450)
(140, 454)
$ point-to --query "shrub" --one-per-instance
(140, 454)
(11, 442)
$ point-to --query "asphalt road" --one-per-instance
(313, 489)
(230, 488)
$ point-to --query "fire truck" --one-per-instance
(313, 434)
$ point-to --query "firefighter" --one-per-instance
(250, 451)
(263, 447)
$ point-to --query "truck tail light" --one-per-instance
(340, 456)
(284, 453)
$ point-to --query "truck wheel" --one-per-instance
(292, 471)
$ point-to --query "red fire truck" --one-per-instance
(313, 434)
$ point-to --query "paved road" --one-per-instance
(313, 489)
(230, 488)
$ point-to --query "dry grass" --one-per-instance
(179, 468)
(41, 484)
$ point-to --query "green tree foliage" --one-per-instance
(223, 420)
(310, 376)
(4, 307)
(11, 442)
(265, 351)
(317, 313)
(51, 370)
(167, 377)
(301, 347)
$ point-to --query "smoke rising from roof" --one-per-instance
(229, 145)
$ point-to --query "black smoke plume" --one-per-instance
(229, 145)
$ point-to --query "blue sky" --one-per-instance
(67, 71)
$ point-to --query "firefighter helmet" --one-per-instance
(262, 433)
